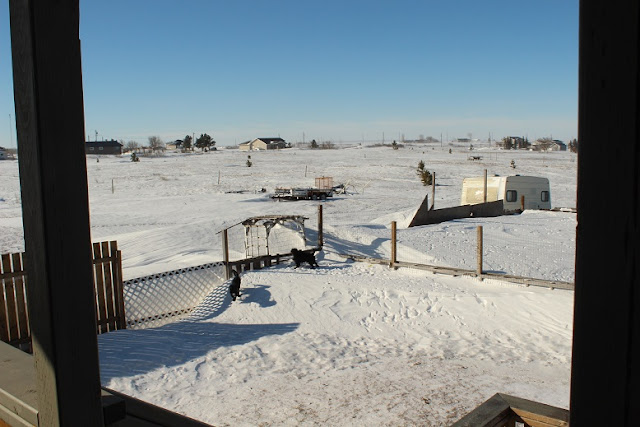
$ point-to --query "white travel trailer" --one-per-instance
(509, 189)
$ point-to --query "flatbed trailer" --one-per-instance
(302, 193)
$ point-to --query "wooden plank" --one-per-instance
(107, 321)
(11, 275)
(10, 296)
(19, 402)
(493, 412)
(18, 384)
(537, 414)
(103, 260)
(121, 323)
(101, 309)
(108, 285)
(21, 298)
(535, 420)
(4, 326)
(146, 414)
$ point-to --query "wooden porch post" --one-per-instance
(605, 367)
(49, 107)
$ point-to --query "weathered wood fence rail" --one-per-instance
(478, 272)
(256, 263)
(14, 313)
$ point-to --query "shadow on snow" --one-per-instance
(139, 351)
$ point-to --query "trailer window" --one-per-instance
(544, 196)
(512, 196)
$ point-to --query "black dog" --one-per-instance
(234, 287)
(303, 256)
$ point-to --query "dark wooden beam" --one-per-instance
(605, 377)
(50, 125)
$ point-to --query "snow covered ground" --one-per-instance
(348, 343)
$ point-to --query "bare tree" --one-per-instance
(131, 146)
(156, 143)
(544, 143)
(328, 145)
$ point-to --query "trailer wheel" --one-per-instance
(323, 196)
(314, 197)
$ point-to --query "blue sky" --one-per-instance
(332, 70)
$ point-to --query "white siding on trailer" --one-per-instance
(531, 188)
(509, 189)
(473, 190)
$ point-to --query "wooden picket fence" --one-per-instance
(107, 271)
(14, 317)
(107, 280)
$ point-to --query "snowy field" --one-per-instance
(348, 343)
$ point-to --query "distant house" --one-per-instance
(263, 144)
(103, 147)
(546, 144)
(175, 145)
(3, 153)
